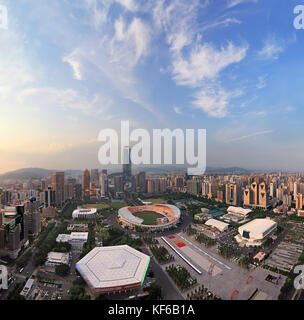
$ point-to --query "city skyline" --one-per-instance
(234, 69)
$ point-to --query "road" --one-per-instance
(168, 289)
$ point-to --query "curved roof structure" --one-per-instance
(171, 212)
(257, 229)
(83, 212)
(126, 214)
(239, 211)
(113, 269)
(221, 226)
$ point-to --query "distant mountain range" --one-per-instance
(39, 173)
(33, 173)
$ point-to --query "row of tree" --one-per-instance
(161, 254)
(181, 276)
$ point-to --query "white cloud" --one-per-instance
(195, 63)
(271, 49)
(220, 23)
(75, 65)
(65, 99)
(289, 109)
(15, 69)
(98, 11)
(233, 3)
(130, 43)
(259, 133)
(248, 102)
(214, 100)
(261, 82)
(205, 62)
(128, 4)
(177, 110)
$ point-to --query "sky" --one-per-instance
(70, 68)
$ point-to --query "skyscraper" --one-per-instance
(140, 182)
(256, 196)
(233, 196)
(58, 186)
(95, 177)
(118, 184)
(103, 183)
(86, 184)
(299, 201)
(127, 167)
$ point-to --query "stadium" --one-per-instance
(113, 269)
(80, 213)
(153, 217)
(255, 232)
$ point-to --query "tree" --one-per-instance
(62, 270)
(155, 291)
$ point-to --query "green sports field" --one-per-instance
(98, 206)
(149, 218)
(156, 201)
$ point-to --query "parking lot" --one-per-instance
(289, 250)
(48, 291)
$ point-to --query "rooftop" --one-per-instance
(107, 267)
(258, 226)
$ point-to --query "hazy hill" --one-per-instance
(39, 173)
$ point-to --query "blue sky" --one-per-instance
(71, 68)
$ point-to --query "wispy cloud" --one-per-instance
(234, 3)
(262, 82)
(214, 100)
(177, 110)
(75, 65)
(195, 62)
(205, 62)
(248, 102)
(272, 48)
(289, 109)
(259, 133)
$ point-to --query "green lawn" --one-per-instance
(149, 218)
(119, 205)
(98, 206)
(156, 201)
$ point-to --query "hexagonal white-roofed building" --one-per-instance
(113, 269)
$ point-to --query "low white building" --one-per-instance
(76, 239)
(57, 258)
(239, 211)
(81, 213)
(255, 232)
(63, 238)
(219, 225)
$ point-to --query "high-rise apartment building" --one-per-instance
(95, 177)
(140, 182)
(58, 186)
(118, 184)
(233, 194)
(86, 184)
(103, 183)
(256, 196)
(127, 167)
(299, 201)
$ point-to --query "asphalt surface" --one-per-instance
(168, 290)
